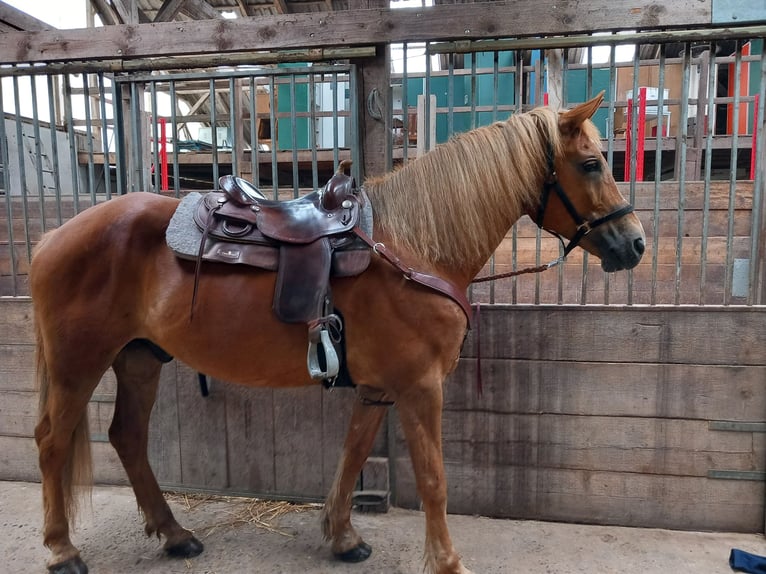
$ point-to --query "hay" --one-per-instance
(264, 514)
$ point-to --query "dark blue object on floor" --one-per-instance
(745, 562)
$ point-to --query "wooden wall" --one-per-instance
(588, 414)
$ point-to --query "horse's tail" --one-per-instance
(77, 473)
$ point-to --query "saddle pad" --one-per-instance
(183, 237)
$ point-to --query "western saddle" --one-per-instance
(305, 240)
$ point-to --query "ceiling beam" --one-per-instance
(281, 7)
(169, 10)
(105, 12)
(14, 19)
(200, 10)
(348, 28)
(244, 8)
(129, 12)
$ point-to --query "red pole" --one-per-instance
(545, 99)
(641, 134)
(628, 137)
(163, 155)
(754, 146)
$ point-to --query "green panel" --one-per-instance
(577, 86)
(286, 126)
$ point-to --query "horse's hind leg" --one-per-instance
(336, 520)
(138, 371)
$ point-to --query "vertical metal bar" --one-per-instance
(23, 188)
(405, 106)
(274, 137)
(5, 159)
(758, 221)
(89, 138)
(658, 172)
(38, 152)
(710, 115)
(214, 131)
(54, 148)
(155, 148)
(451, 94)
(119, 136)
(682, 140)
(610, 137)
(233, 127)
(294, 135)
(104, 137)
(335, 138)
(136, 181)
(427, 103)
(174, 137)
(356, 167)
(313, 132)
(519, 108)
(588, 96)
(564, 103)
(254, 171)
(474, 90)
(73, 162)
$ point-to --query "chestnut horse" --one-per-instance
(105, 283)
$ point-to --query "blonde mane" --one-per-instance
(452, 206)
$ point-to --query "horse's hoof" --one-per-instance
(358, 553)
(72, 566)
(189, 548)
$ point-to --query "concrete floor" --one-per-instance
(111, 540)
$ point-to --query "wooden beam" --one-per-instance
(244, 8)
(348, 28)
(15, 19)
(281, 7)
(129, 12)
(169, 10)
(106, 12)
(200, 10)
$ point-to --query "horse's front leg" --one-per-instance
(347, 545)
(420, 412)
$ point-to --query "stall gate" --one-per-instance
(635, 398)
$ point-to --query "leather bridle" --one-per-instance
(584, 226)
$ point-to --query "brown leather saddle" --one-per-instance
(306, 241)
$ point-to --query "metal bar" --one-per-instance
(89, 139)
(174, 136)
(313, 132)
(54, 148)
(136, 178)
(710, 128)
(758, 221)
(658, 173)
(274, 137)
(294, 135)
(610, 139)
(737, 426)
(754, 475)
(155, 149)
(214, 131)
(104, 137)
(426, 135)
(405, 106)
(150, 65)
(581, 41)
(254, 122)
(233, 127)
(729, 264)
(335, 138)
(38, 153)
(5, 159)
(681, 145)
(588, 95)
(22, 166)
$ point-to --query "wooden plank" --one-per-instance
(17, 367)
(18, 461)
(713, 335)
(346, 28)
(16, 320)
(202, 431)
(164, 448)
(694, 392)
(250, 439)
(337, 405)
(298, 441)
(649, 446)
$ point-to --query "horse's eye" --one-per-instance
(591, 165)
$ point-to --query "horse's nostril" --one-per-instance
(639, 245)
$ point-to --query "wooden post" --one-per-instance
(375, 113)
(555, 70)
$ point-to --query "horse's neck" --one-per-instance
(455, 228)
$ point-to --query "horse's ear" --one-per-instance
(572, 119)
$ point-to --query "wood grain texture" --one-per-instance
(349, 28)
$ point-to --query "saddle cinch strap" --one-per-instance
(306, 240)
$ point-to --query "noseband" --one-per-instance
(584, 226)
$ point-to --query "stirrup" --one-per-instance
(321, 336)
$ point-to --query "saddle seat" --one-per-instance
(306, 241)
